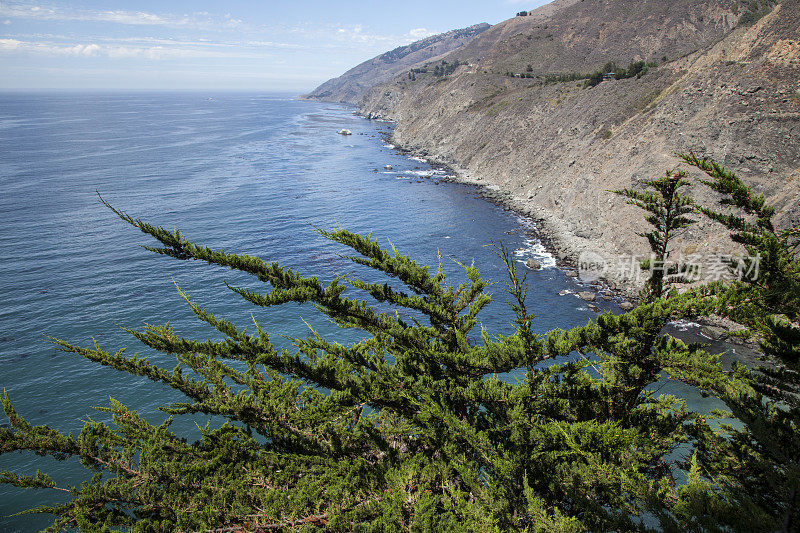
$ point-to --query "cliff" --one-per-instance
(517, 114)
(351, 86)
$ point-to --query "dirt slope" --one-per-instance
(729, 89)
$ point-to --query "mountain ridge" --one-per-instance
(351, 86)
(516, 113)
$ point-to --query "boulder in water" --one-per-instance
(345, 132)
(587, 296)
(533, 264)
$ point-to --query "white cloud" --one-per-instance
(81, 50)
(273, 44)
(9, 44)
(231, 22)
(17, 46)
(128, 45)
(231, 37)
(170, 52)
(420, 33)
(153, 49)
(355, 38)
(128, 17)
(355, 34)
(26, 10)
(17, 10)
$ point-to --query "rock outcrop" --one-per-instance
(516, 113)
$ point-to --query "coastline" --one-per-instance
(556, 243)
(712, 330)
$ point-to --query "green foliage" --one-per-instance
(594, 79)
(547, 79)
(411, 428)
(442, 69)
(445, 69)
(668, 212)
(755, 10)
(611, 71)
(757, 466)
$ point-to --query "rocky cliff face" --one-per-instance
(726, 85)
(351, 86)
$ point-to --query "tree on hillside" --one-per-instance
(751, 474)
(668, 214)
(409, 428)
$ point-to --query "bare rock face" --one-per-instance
(509, 108)
(626, 306)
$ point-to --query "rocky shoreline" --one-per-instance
(508, 112)
(556, 243)
(556, 151)
(715, 331)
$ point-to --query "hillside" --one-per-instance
(569, 36)
(723, 82)
(351, 86)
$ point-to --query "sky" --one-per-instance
(278, 45)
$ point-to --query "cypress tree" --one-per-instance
(668, 211)
(753, 467)
(410, 427)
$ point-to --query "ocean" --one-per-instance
(250, 173)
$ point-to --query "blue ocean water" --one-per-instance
(248, 173)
